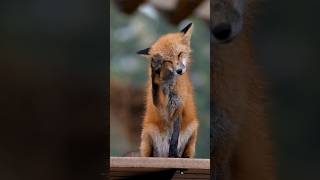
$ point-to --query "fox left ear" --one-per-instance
(187, 32)
(144, 51)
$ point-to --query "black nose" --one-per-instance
(179, 71)
(222, 31)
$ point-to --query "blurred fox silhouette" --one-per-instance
(170, 122)
(241, 147)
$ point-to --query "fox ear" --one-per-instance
(185, 29)
(187, 32)
(144, 51)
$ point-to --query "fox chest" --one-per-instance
(161, 142)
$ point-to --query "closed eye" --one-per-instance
(168, 62)
(179, 55)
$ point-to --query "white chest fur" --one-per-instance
(161, 141)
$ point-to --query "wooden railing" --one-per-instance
(159, 168)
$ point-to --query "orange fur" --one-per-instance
(174, 47)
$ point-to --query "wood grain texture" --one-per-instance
(164, 168)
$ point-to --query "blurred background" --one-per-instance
(135, 25)
(287, 43)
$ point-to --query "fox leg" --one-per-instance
(146, 149)
(189, 150)
(173, 148)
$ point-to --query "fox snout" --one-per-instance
(226, 19)
(181, 69)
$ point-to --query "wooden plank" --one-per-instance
(177, 174)
(150, 162)
(163, 168)
(185, 171)
(192, 176)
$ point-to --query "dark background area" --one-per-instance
(287, 41)
(53, 92)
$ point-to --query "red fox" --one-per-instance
(241, 148)
(170, 122)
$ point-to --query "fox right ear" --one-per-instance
(144, 51)
(186, 29)
(187, 32)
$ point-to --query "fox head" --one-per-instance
(170, 54)
(226, 19)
